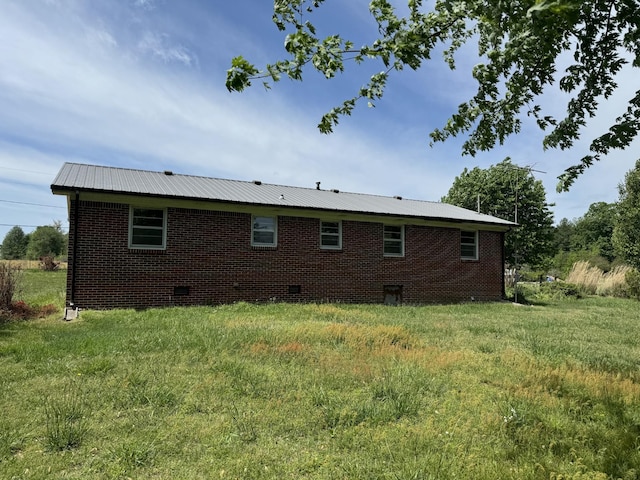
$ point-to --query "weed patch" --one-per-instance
(66, 419)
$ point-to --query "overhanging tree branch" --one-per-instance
(520, 44)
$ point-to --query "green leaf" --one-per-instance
(523, 45)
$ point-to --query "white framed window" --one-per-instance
(331, 235)
(393, 239)
(147, 228)
(264, 231)
(468, 245)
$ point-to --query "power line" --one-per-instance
(12, 225)
(34, 204)
(28, 171)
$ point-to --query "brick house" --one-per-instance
(141, 239)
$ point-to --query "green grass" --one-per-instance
(478, 391)
(42, 288)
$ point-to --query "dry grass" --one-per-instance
(614, 282)
(30, 264)
(594, 281)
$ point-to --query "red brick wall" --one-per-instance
(211, 253)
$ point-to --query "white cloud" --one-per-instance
(159, 45)
(100, 37)
(77, 86)
(145, 4)
(70, 105)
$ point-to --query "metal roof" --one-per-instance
(80, 177)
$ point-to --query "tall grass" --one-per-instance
(614, 282)
(66, 422)
(593, 280)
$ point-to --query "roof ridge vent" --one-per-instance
(398, 197)
(168, 173)
(335, 190)
(257, 182)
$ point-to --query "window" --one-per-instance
(394, 240)
(469, 245)
(147, 228)
(264, 231)
(331, 235)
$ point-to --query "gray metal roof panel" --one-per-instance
(73, 176)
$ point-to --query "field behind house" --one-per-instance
(31, 264)
(478, 391)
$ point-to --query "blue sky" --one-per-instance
(140, 84)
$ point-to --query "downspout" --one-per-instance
(504, 287)
(76, 213)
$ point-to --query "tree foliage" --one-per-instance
(14, 245)
(46, 240)
(510, 192)
(563, 235)
(594, 230)
(522, 45)
(588, 238)
(626, 233)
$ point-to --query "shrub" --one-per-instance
(48, 263)
(632, 277)
(524, 292)
(559, 290)
(20, 310)
(9, 284)
(600, 262)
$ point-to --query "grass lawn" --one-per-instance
(41, 288)
(477, 391)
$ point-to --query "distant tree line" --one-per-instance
(608, 234)
(44, 241)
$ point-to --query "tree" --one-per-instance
(510, 192)
(46, 240)
(563, 235)
(594, 230)
(522, 44)
(626, 233)
(14, 245)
